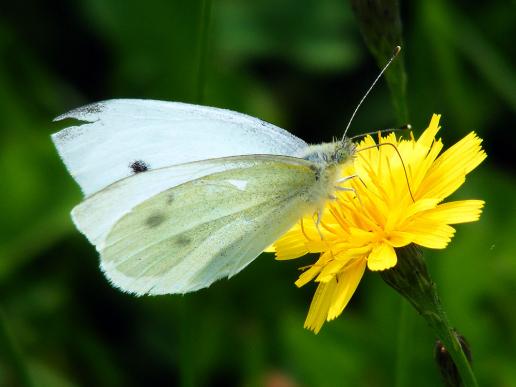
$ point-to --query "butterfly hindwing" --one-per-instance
(186, 237)
(98, 213)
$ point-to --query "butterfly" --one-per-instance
(178, 196)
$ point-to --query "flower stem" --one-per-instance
(380, 25)
(410, 278)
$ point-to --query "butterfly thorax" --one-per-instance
(328, 161)
(330, 153)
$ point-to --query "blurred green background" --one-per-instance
(302, 65)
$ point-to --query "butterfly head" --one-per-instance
(343, 151)
(330, 153)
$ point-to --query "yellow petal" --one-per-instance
(308, 275)
(291, 245)
(320, 304)
(399, 238)
(347, 283)
(434, 235)
(419, 165)
(461, 211)
(468, 150)
(405, 212)
(448, 172)
(317, 246)
(350, 252)
(270, 249)
(428, 136)
(283, 254)
(359, 236)
(420, 205)
(332, 268)
(382, 257)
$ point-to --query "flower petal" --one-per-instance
(320, 305)
(419, 206)
(291, 245)
(332, 268)
(427, 137)
(434, 235)
(448, 172)
(399, 239)
(308, 275)
(347, 283)
(292, 250)
(270, 249)
(382, 257)
(360, 237)
(461, 211)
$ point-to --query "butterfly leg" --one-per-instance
(317, 220)
(344, 179)
(344, 189)
(350, 190)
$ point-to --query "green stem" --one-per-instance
(410, 278)
(443, 330)
(380, 24)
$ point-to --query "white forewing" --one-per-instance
(186, 237)
(119, 132)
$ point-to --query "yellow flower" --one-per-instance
(396, 201)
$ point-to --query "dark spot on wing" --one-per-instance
(170, 198)
(139, 166)
(182, 241)
(155, 220)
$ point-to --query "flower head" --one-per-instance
(396, 200)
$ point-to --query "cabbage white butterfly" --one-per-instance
(179, 195)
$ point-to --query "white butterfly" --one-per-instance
(179, 195)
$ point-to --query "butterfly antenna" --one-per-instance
(400, 129)
(397, 50)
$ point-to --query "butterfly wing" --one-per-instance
(157, 134)
(98, 213)
(185, 238)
